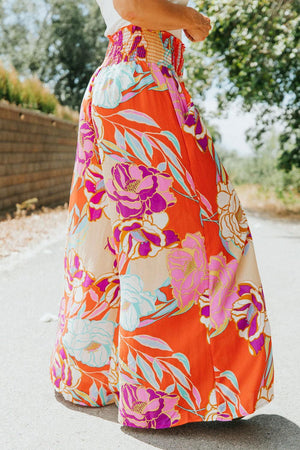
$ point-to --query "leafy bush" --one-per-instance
(36, 96)
(10, 86)
(31, 94)
(261, 169)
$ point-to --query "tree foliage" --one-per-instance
(60, 41)
(20, 25)
(254, 45)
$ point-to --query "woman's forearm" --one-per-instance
(157, 14)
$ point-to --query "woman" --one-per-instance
(163, 309)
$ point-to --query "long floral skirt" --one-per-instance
(163, 309)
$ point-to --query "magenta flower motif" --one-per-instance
(143, 239)
(139, 190)
(194, 125)
(142, 407)
(61, 319)
(63, 373)
(85, 147)
(110, 286)
(249, 314)
(188, 268)
(76, 274)
(95, 192)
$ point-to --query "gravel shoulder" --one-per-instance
(21, 237)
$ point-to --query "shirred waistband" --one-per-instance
(133, 43)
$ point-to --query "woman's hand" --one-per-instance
(201, 31)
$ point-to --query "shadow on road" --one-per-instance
(264, 431)
(259, 432)
(109, 412)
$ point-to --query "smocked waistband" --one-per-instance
(133, 43)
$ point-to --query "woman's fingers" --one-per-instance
(189, 36)
(196, 35)
(205, 18)
(201, 32)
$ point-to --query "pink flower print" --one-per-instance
(143, 238)
(110, 285)
(222, 288)
(105, 295)
(95, 192)
(63, 372)
(249, 314)
(85, 147)
(188, 269)
(139, 190)
(61, 319)
(145, 408)
(76, 277)
(194, 125)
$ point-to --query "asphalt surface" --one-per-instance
(33, 417)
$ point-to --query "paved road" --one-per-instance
(33, 417)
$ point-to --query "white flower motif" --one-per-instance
(211, 412)
(232, 218)
(265, 395)
(110, 83)
(89, 341)
(135, 303)
(113, 374)
(249, 314)
(204, 305)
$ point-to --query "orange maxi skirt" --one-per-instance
(163, 309)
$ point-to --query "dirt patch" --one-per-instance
(267, 204)
(19, 233)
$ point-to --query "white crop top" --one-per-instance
(114, 21)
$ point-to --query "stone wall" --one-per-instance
(37, 156)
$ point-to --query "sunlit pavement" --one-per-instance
(33, 417)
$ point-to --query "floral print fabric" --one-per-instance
(163, 310)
